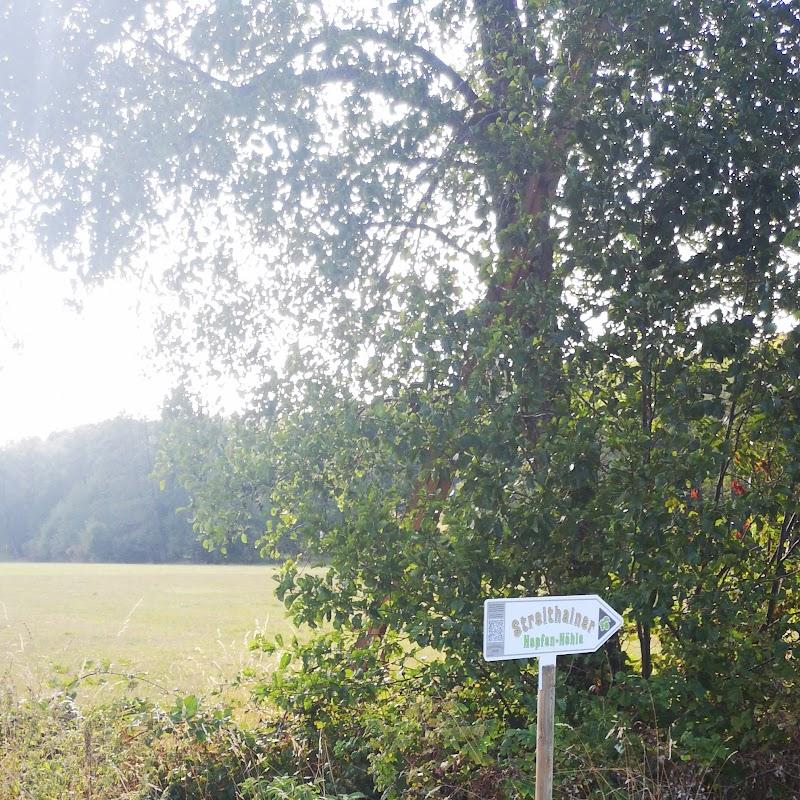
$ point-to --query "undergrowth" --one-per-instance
(314, 735)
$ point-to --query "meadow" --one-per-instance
(184, 627)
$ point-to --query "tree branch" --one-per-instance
(385, 83)
(426, 56)
(388, 83)
(789, 521)
(338, 36)
(206, 78)
(421, 226)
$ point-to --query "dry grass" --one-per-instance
(183, 626)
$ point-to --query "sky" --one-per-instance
(61, 367)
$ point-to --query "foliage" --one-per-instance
(522, 322)
(54, 748)
(89, 495)
(393, 726)
(397, 744)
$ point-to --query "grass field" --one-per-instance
(184, 627)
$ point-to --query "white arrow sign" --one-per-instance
(532, 627)
(544, 628)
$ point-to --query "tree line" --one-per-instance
(89, 494)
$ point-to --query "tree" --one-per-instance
(540, 300)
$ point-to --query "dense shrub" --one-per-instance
(356, 724)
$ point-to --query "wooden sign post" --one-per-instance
(545, 628)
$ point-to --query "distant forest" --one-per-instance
(89, 495)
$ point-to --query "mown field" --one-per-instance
(185, 627)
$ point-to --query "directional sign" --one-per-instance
(532, 627)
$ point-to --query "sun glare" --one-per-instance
(62, 366)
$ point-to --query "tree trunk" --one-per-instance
(643, 632)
